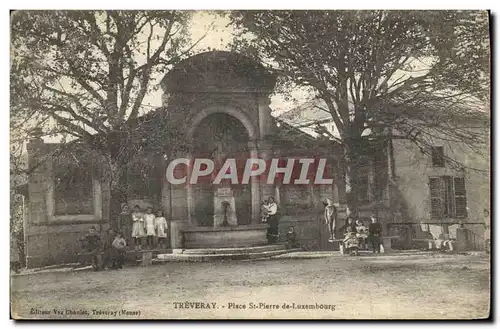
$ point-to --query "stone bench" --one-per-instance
(441, 244)
(146, 255)
(386, 244)
(85, 256)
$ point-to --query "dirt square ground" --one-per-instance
(432, 286)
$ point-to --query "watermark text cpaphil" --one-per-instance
(301, 171)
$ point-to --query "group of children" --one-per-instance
(146, 226)
(113, 249)
(109, 251)
(360, 230)
(365, 235)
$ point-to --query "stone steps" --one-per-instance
(241, 250)
(256, 254)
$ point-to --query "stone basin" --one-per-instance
(225, 237)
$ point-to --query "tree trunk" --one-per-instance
(117, 160)
(353, 163)
(118, 186)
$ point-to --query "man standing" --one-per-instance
(108, 249)
(374, 233)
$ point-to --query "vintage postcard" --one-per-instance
(323, 164)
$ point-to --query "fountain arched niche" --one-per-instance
(220, 136)
(220, 98)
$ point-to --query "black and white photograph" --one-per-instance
(250, 164)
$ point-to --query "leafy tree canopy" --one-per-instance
(410, 70)
(86, 73)
(421, 74)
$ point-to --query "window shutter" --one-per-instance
(460, 197)
(436, 191)
(448, 196)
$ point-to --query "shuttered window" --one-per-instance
(460, 197)
(436, 190)
(448, 197)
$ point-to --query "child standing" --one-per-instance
(362, 234)
(119, 245)
(161, 229)
(264, 211)
(137, 226)
(149, 223)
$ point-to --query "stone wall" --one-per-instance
(52, 238)
(411, 187)
(306, 227)
(188, 100)
(56, 244)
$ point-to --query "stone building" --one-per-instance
(440, 192)
(221, 101)
(418, 196)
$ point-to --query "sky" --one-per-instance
(218, 37)
(212, 33)
(258, 4)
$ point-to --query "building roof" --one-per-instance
(307, 116)
(218, 71)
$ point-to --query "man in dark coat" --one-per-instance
(273, 221)
(108, 249)
(374, 234)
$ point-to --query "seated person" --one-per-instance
(92, 244)
(291, 238)
(445, 241)
(119, 245)
(351, 225)
(350, 238)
